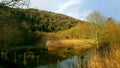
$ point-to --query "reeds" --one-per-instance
(70, 44)
(102, 57)
(107, 57)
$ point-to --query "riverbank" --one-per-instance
(70, 46)
(104, 57)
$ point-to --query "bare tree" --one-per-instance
(15, 3)
(98, 20)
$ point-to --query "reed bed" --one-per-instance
(71, 44)
(107, 57)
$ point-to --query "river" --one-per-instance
(41, 58)
(73, 62)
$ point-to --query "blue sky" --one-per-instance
(79, 8)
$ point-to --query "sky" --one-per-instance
(79, 9)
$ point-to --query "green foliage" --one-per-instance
(39, 20)
(10, 34)
(38, 35)
(48, 21)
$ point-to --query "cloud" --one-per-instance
(49, 5)
(79, 8)
(74, 8)
(68, 4)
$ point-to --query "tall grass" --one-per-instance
(76, 45)
(104, 57)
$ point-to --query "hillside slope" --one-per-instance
(49, 22)
(25, 26)
(38, 20)
(80, 31)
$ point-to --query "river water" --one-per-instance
(38, 58)
(73, 62)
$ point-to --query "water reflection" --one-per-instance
(67, 63)
(31, 58)
(40, 58)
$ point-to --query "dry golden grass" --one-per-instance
(108, 57)
(106, 60)
(77, 41)
(70, 44)
(105, 57)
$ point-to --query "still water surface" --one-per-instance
(74, 62)
(38, 58)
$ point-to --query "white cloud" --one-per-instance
(50, 5)
(74, 8)
(66, 5)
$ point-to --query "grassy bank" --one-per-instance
(107, 57)
(70, 46)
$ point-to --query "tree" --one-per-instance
(15, 3)
(110, 33)
(10, 34)
(98, 20)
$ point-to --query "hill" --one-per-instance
(38, 20)
(48, 21)
(80, 31)
(25, 26)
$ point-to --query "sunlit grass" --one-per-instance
(66, 46)
(78, 41)
(107, 60)
(104, 58)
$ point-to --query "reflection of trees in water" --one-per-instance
(30, 58)
(21, 57)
